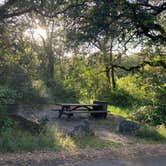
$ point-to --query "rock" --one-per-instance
(82, 129)
(127, 126)
(26, 124)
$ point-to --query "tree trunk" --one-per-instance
(113, 77)
(112, 68)
(108, 75)
(50, 67)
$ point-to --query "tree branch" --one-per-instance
(136, 68)
(153, 64)
(157, 9)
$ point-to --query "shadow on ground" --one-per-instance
(148, 161)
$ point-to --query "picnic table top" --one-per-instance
(76, 104)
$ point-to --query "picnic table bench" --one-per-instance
(98, 109)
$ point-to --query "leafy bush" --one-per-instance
(150, 114)
(6, 95)
(5, 122)
(134, 86)
(143, 114)
(159, 115)
(117, 97)
(31, 95)
(162, 130)
(150, 133)
(124, 112)
(160, 111)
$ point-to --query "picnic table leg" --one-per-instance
(61, 112)
(68, 108)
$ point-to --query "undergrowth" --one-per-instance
(94, 142)
(124, 112)
(149, 133)
(14, 140)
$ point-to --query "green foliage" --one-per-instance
(32, 95)
(134, 86)
(94, 142)
(118, 97)
(162, 130)
(6, 96)
(5, 123)
(60, 93)
(15, 140)
(131, 91)
(150, 133)
(40, 72)
(152, 109)
(143, 114)
(82, 79)
(150, 114)
(160, 111)
(124, 112)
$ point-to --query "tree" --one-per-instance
(96, 23)
(148, 19)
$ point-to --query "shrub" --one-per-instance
(159, 116)
(150, 133)
(150, 114)
(117, 97)
(15, 140)
(6, 95)
(143, 114)
(134, 86)
(160, 112)
(31, 95)
(5, 123)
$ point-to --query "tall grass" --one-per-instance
(145, 132)
(162, 131)
(150, 133)
(95, 142)
(13, 140)
(125, 112)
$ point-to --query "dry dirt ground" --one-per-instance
(80, 156)
(130, 147)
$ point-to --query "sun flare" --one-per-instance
(38, 34)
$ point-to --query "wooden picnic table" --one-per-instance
(71, 108)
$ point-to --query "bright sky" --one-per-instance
(2, 2)
(38, 34)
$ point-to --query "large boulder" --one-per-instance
(27, 124)
(82, 129)
(22, 115)
(128, 126)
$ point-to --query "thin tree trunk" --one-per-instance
(113, 77)
(112, 68)
(51, 65)
(108, 76)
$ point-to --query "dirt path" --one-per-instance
(146, 161)
(78, 157)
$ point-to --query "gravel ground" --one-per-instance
(80, 156)
(146, 161)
